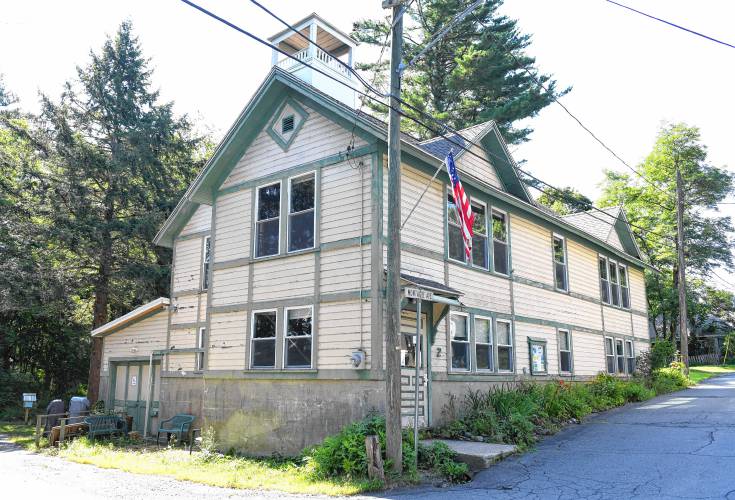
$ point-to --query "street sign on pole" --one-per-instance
(417, 293)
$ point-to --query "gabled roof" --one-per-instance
(134, 315)
(607, 227)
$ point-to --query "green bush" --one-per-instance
(441, 459)
(667, 380)
(662, 353)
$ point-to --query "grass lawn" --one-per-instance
(216, 470)
(699, 373)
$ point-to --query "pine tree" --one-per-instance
(121, 159)
(479, 71)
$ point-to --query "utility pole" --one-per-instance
(683, 335)
(393, 445)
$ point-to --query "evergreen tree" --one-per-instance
(479, 71)
(651, 206)
(121, 159)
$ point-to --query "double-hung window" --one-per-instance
(479, 236)
(614, 284)
(500, 242)
(505, 346)
(619, 355)
(301, 212)
(604, 281)
(565, 352)
(297, 341)
(199, 360)
(268, 220)
(629, 357)
(624, 286)
(454, 232)
(560, 264)
(206, 259)
(263, 343)
(460, 337)
(609, 355)
(484, 344)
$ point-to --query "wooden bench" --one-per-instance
(105, 425)
(178, 426)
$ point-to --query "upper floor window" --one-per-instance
(604, 281)
(454, 232)
(560, 264)
(614, 285)
(206, 259)
(297, 343)
(301, 212)
(624, 286)
(479, 236)
(500, 242)
(268, 220)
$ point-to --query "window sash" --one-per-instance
(610, 355)
(199, 361)
(304, 240)
(604, 280)
(565, 366)
(505, 348)
(629, 356)
(206, 259)
(460, 345)
(272, 245)
(624, 286)
(559, 251)
(500, 241)
(484, 355)
(257, 342)
(455, 241)
(614, 283)
(619, 356)
(290, 340)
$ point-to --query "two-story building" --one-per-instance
(274, 331)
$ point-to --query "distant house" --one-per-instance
(274, 332)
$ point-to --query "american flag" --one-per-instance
(462, 204)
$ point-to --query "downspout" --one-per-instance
(150, 395)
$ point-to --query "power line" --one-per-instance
(418, 122)
(673, 24)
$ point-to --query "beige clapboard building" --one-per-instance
(274, 331)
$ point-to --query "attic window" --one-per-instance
(287, 124)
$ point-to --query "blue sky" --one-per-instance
(629, 74)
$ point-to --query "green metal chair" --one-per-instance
(179, 426)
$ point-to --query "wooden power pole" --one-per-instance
(683, 335)
(393, 445)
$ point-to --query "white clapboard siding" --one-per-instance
(439, 348)
(588, 353)
(185, 309)
(200, 221)
(340, 200)
(480, 168)
(522, 358)
(535, 302)
(422, 266)
(187, 266)
(338, 333)
(283, 278)
(136, 340)
(583, 269)
(184, 338)
(340, 270)
(318, 138)
(637, 290)
(425, 228)
(616, 321)
(230, 286)
(530, 246)
(640, 327)
(481, 289)
(227, 340)
(232, 235)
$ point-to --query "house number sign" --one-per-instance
(134, 380)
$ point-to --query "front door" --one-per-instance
(132, 388)
(409, 358)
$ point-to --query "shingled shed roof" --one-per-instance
(440, 146)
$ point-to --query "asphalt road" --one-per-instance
(677, 446)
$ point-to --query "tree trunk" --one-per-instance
(101, 299)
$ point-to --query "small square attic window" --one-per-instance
(287, 124)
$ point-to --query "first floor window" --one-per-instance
(565, 352)
(505, 346)
(619, 356)
(500, 242)
(560, 264)
(629, 357)
(268, 221)
(604, 281)
(298, 337)
(206, 259)
(609, 355)
(537, 354)
(301, 212)
(484, 344)
(264, 339)
(199, 364)
(459, 333)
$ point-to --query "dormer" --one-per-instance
(315, 34)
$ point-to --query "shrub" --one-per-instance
(441, 459)
(663, 352)
(667, 380)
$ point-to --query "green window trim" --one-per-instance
(537, 346)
